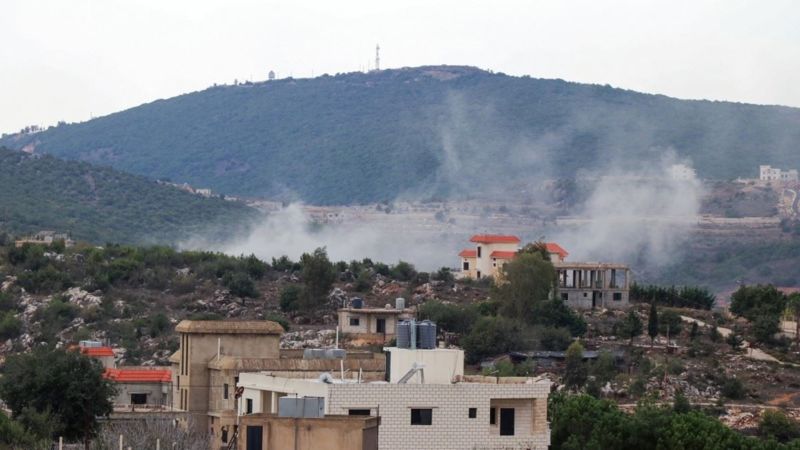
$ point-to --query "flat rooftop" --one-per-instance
(229, 327)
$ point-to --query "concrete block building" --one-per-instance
(272, 432)
(453, 412)
(594, 285)
(372, 325)
(212, 356)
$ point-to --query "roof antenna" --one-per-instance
(377, 57)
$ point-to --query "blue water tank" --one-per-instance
(403, 335)
(357, 303)
(426, 335)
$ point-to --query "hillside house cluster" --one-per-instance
(582, 285)
(372, 325)
(45, 238)
(769, 173)
(138, 388)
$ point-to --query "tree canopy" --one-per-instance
(66, 385)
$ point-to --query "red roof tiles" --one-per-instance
(467, 253)
(138, 375)
(495, 239)
(499, 254)
(97, 352)
(552, 247)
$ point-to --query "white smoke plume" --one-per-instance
(642, 216)
(291, 232)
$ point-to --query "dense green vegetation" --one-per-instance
(356, 137)
(583, 422)
(520, 315)
(54, 393)
(679, 297)
(103, 205)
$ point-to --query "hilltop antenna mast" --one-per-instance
(377, 57)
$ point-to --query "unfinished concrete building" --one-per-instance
(212, 354)
(585, 285)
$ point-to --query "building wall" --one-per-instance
(441, 365)
(156, 394)
(484, 262)
(472, 272)
(329, 433)
(451, 426)
(193, 389)
(368, 321)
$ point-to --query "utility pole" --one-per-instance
(377, 57)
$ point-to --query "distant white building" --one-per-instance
(682, 172)
(769, 173)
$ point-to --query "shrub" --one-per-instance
(491, 336)
(279, 319)
(290, 297)
(10, 326)
(403, 271)
(240, 285)
(554, 338)
(776, 425)
(732, 388)
(449, 317)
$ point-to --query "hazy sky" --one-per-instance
(70, 59)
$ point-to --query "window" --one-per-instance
(358, 412)
(585, 294)
(355, 321)
(617, 296)
(564, 296)
(465, 266)
(249, 406)
(492, 417)
(473, 413)
(421, 416)
(479, 251)
(479, 274)
(138, 399)
(225, 391)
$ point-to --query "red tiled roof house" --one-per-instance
(141, 387)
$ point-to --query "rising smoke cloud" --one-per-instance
(635, 212)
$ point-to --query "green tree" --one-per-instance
(10, 326)
(793, 303)
(670, 324)
(694, 331)
(604, 369)
(526, 281)
(536, 248)
(575, 372)
(765, 327)
(491, 336)
(449, 317)
(680, 404)
(652, 323)
(318, 278)
(754, 301)
(68, 385)
(290, 297)
(630, 327)
(240, 284)
(776, 425)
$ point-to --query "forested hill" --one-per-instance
(104, 205)
(430, 130)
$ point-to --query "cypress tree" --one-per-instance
(652, 323)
